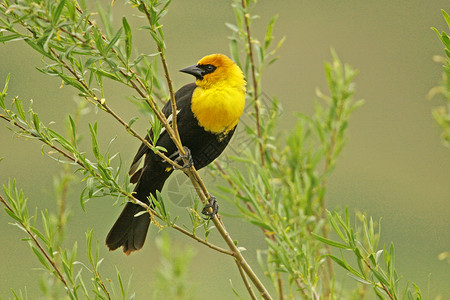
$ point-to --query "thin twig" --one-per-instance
(328, 162)
(62, 203)
(102, 103)
(302, 289)
(254, 80)
(36, 242)
(80, 11)
(280, 286)
(246, 283)
(384, 287)
(212, 246)
(168, 79)
(129, 196)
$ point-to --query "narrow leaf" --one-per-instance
(128, 37)
(58, 11)
(113, 41)
(330, 242)
(6, 38)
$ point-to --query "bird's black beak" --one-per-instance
(194, 70)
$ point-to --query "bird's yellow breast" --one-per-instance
(218, 108)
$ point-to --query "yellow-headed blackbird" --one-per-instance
(207, 114)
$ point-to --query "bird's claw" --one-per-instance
(189, 160)
(212, 203)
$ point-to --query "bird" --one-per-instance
(208, 111)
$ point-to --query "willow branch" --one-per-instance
(102, 103)
(328, 164)
(254, 80)
(302, 289)
(168, 79)
(122, 192)
(383, 286)
(212, 246)
(41, 249)
(246, 283)
(80, 11)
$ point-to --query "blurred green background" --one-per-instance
(394, 166)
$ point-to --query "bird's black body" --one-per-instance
(129, 231)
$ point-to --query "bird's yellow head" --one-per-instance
(215, 70)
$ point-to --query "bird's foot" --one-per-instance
(212, 203)
(188, 156)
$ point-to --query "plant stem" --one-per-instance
(212, 246)
(132, 199)
(254, 80)
(384, 287)
(328, 164)
(169, 83)
(36, 242)
(246, 283)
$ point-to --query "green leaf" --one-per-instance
(73, 82)
(157, 39)
(40, 257)
(131, 122)
(5, 89)
(19, 107)
(235, 52)
(163, 10)
(233, 27)
(446, 17)
(122, 289)
(142, 212)
(73, 131)
(37, 123)
(261, 224)
(379, 276)
(268, 38)
(101, 72)
(330, 242)
(359, 279)
(445, 40)
(38, 48)
(113, 41)
(339, 261)
(60, 139)
(13, 215)
(89, 246)
(6, 38)
(58, 11)
(95, 147)
(335, 225)
(128, 38)
(106, 19)
(159, 148)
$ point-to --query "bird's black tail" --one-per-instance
(129, 231)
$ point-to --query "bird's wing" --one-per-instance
(135, 170)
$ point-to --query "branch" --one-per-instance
(383, 286)
(246, 283)
(176, 136)
(124, 193)
(36, 242)
(254, 80)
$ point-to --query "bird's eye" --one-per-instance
(208, 69)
